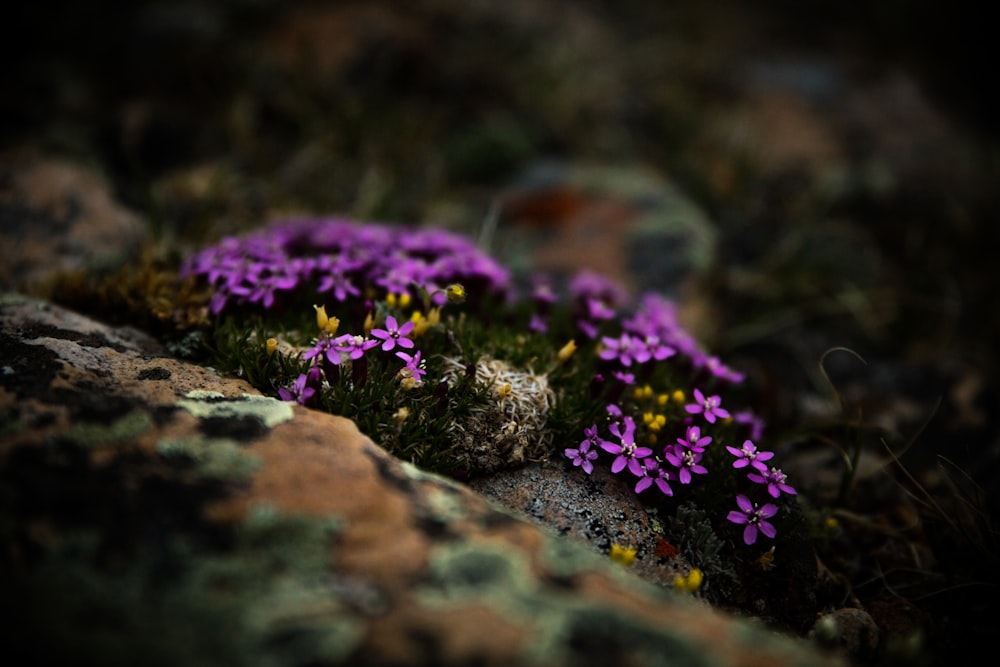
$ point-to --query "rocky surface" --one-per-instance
(156, 511)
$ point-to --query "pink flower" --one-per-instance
(710, 408)
(393, 334)
(754, 518)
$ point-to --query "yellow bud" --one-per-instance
(420, 324)
(404, 299)
(369, 322)
(677, 396)
(647, 417)
(622, 555)
(332, 325)
(434, 316)
(504, 390)
(455, 293)
(321, 318)
(690, 583)
(566, 351)
(662, 399)
(272, 346)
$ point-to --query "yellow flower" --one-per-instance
(662, 399)
(272, 346)
(622, 555)
(369, 322)
(455, 293)
(677, 396)
(566, 351)
(690, 583)
(504, 390)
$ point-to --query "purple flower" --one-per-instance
(693, 439)
(625, 349)
(749, 455)
(628, 452)
(537, 324)
(775, 480)
(653, 473)
(748, 418)
(754, 518)
(686, 461)
(412, 368)
(709, 407)
(301, 391)
(624, 378)
(350, 345)
(583, 456)
(393, 334)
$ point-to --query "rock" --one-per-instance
(155, 511)
(598, 509)
(59, 217)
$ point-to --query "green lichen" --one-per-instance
(213, 458)
(566, 629)
(211, 404)
(124, 429)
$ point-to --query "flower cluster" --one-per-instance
(646, 396)
(663, 439)
(336, 259)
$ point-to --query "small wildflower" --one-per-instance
(689, 584)
(369, 322)
(754, 518)
(420, 324)
(662, 399)
(749, 455)
(504, 390)
(271, 346)
(300, 391)
(653, 473)
(393, 334)
(625, 349)
(628, 452)
(566, 351)
(622, 555)
(678, 396)
(351, 346)
(413, 370)
(624, 378)
(710, 407)
(693, 439)
(775, 480)
(583, 456)
(686, 461)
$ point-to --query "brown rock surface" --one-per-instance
(57, 216)
(155, 508)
